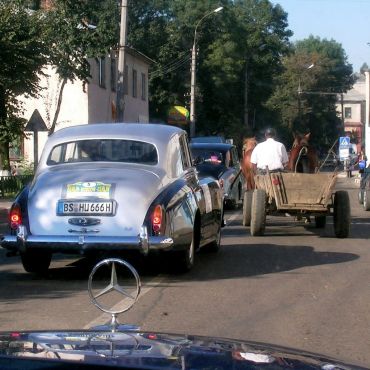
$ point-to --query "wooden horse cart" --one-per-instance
(296, 194)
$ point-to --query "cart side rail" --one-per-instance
(298, 190)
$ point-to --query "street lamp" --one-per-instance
(193, 73)
(300, 92)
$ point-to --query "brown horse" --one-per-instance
(246, 166)
(303, 156)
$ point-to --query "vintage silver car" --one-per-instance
(112, 188)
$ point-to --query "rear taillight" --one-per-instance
(157, 219)
(15, 216)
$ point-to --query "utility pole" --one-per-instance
(299, 92)
(120, 96)
(194, 72)
(192, 87)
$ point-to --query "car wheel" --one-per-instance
(183, 261)
(361, 196)
(366, 201)
(214, 247)
(342, 214)
(36, 261)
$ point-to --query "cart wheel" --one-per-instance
(320, 221)
(247, 207)
(258, 214)
(366, 201)
(342, 214)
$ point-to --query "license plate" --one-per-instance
(66, 207)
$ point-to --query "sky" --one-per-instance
(345, 21)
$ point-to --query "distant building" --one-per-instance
(353, 108)
(94, 102)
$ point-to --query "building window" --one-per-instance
(125, 81)
(102, 72)
(113, 74)
(143, 86)
(134, 83)
(347, 112)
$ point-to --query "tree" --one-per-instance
(238, 53)
(248, 51)
(23, 53)
(314, 74)
(75, 31)
(364, 68)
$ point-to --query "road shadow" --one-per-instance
(360, 228)
(63, 280)
(280, 227)
(252, 260)
(232, 261)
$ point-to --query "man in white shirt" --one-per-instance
(270, 153)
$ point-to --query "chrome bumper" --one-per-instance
(82, 243)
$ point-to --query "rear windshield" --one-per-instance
(213, 157)
(104, 150)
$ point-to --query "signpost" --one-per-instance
(344, 145)
(35, 125)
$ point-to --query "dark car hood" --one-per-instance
(146, 350)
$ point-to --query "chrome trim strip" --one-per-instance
(86, 242)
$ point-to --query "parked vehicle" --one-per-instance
(220, 160)
(364, 190)
(116, 346)
(111, 188)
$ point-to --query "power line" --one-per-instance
(176, 65)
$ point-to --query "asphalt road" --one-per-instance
(297, 286)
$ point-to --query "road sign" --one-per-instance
(344, 141)
(343, 153)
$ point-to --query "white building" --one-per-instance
(367, 114)
(353, 106)
(94, 102)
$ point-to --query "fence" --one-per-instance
(10, 185)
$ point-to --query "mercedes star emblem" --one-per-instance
(129, 294)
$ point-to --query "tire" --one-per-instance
(247, 207)
(342, 214)
(215, 246)
(361, 196)
(258, 214)
(366, 200)
(36, 261)
(320, 221)
(183, 261)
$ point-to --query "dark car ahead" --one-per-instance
(220, 161)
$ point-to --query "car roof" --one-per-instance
(212, 146)
(136, 131)
(208, 139)
(157, 134)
